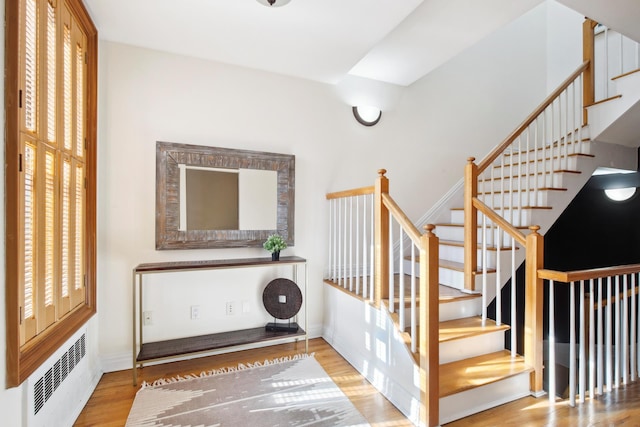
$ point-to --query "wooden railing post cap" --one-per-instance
(471, 159)
(429, 229)
(381, 172)
(534, 229)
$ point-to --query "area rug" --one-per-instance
(285, 392)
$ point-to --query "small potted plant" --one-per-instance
(274, 244)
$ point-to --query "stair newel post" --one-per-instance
(470, 223)
(588, 77)
(429, 328)
(381, 239)
(534, 301)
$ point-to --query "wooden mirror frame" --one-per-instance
(169, 155)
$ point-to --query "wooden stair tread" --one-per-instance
(462, 375)
(628, 73)
(467, 327)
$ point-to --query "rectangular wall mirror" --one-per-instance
(211, 197)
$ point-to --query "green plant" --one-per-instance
(274, 243)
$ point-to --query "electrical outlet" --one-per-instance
(231, 308)
(147, 318)
(195, 312)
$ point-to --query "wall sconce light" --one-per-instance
(620, 194)
(366, 115)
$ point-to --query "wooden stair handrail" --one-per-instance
(500, 221)
(402, 219)
(487, 161)
(362, 191)
(592, 273)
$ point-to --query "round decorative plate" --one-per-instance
(282, 298)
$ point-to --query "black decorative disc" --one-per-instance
(282, 298)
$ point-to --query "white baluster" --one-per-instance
(600, 360)
(572, 344)
(583, 351)
(414, 327)
(625, 332)
(484, 269)
(552, 343)
(391, 283)
(401, 281)
(528, 201)
(345, 239)
(592, 340)
(514, 287)
(580, 110)
(365, 283)
(616, 337)
(372, 282)
(351, 244)
(609, 326)
(632, 357)
(358, 271)
(606, 62)
(535, 160)
(498, 243)
(332, 240)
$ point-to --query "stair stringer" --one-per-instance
(615, 121)
(369, 340)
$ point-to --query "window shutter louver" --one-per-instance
(50, 153)
(29, 96)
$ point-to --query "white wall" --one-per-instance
(148, 96)
(564, 43)
(464, 108)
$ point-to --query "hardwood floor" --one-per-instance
(111, 401)
(619, 408)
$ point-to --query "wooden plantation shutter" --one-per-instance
(50, 89)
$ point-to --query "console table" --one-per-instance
(180, 347)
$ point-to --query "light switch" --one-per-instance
(282, 299)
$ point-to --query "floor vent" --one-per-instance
(51, 380)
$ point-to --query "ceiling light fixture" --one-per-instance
(620, 194)
(366, 115)
(273, 3)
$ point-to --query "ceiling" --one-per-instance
(393, 41)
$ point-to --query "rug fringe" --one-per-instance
(226, 370)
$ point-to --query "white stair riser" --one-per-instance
(532, 197)
(478, 399)
(519, 167)
(549, 180)
(517, 217)
(460, 308)
(452, 351)
(573, 147)
(456, 254)
(456, 234)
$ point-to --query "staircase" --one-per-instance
(525, 185)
